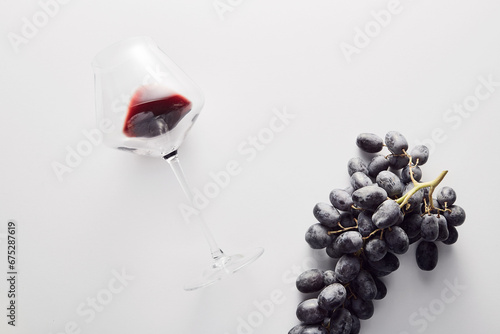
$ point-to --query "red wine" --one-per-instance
(154, 111)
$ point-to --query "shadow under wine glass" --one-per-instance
(152, 104)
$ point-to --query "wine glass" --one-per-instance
(151, 105)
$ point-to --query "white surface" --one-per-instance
(116, 211)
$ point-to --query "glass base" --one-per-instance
(222, 267)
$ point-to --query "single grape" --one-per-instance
(446, 197)
(369, 198)
(427, 255)
(387, 214)
(388, 264)
(443, 233)
(377, 164)
(341, 322)
(456, 215)
(341, 199)
(333, 252)
(348, 242)
(452, 235)
(332, 296)
(375, 249)
(310, 313)
(365, 223)
(347, 268)
(419, 154)
(397, 240)
(360, 180)
(329, 277)
(317, 236)
(390, 182)
(405, 174)
(361, 308)
(369, 142)
(364, 286)
(310, 281)
(356, 325)
(356, 164)
(398, 161)
(326, 214)
(412, 224)
(396, 142)
(429, 230)
(381, 288)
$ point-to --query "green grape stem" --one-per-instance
(403, 200)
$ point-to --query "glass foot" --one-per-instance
(224, 266)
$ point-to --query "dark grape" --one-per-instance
(333, 252)
(348, 242)
(456, 217)
(317, 236)
(361, 308)
(452, 235)
(364, 286)
(375, 249)
(405, 174)
(341, 199)
(329, 277)
(429, 230)
(443, 233)
(387, 214)
(388, 264)
(377, 164)
(427, 255)
(398, 161)
(397, 240)
(369, 198)
(360, 180)
(390, 182)
(347, 268)
(396, 142)
(365, 223)
(446, 196)
(332, 296)
(412, 224)
(341, 322)
(310, 313)
(326, 214)
(381, 288)
(369, 142)
(356, 325)
(419, 154)
(310, 281)
(356, 165)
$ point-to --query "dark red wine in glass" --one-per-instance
(150, 114)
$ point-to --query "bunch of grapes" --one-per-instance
(366, 225)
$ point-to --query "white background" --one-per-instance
(119, 212)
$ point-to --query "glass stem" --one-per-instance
(173, 161)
